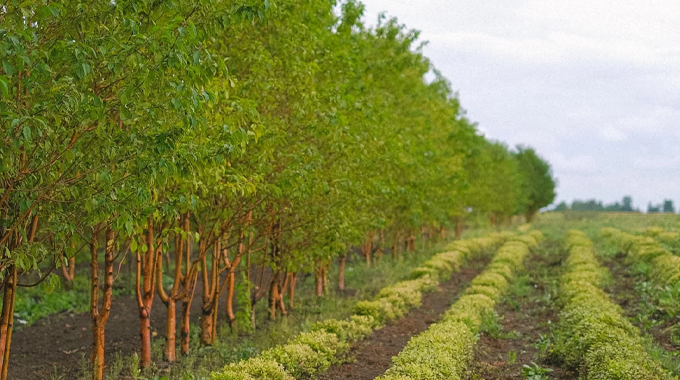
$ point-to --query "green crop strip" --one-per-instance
(445, 350)
(311, 354)
(592, 335)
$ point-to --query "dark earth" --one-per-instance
(373, 356)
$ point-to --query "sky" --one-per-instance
(592, 85)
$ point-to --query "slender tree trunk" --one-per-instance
(459, 227)
(9, 299)
(291, 290)
(145, 289)
(274, 294)
(442, 233)
(100, 315)
(367, 247)
(395, 245)
(7, 321)
(341, 272)
(381, 245)
(70, 271)
(324, 275)
(318, 280)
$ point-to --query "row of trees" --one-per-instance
(224, 134)
(626, 205)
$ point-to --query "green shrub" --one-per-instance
(299, 360)
(253, 369)
(355, 329)
(592, 334)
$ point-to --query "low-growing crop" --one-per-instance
(592, 335)
(444, 351)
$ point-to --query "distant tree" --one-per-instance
(627, 205)
(538, 183)
(668, 206)
(562, 207)
(589, 205)
(615, 207)
(651, 209)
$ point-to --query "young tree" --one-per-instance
(537, 181)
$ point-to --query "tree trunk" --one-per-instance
(100, 315)
(395, 245)
(381, 245)
(291, 290)
(459, 227)
(341, 272)
(144, 289)
(7, 321)
(9, 299)
(318, 280)
(367, 247)
(70, 271)
(273, 294)
(324, 275)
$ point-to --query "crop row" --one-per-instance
(445, 350)
(665, 267)
(312, 353)
(592, 335)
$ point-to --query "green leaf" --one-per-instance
(9, 69)
(4, 89)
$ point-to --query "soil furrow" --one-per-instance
(523, 336)
(373, 356)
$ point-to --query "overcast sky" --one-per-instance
(593, 85)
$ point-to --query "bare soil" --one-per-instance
(373, 356)
(622, 291)
(524, 322)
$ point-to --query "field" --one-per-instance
(283, 189)
(594, 296)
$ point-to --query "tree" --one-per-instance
(627, 204)
(538, 184)
(668, 206)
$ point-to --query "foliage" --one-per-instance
(592, 333)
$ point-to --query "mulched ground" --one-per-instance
(529, 322)
(373, 356)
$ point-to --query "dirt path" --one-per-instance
(374, 356)
(525, 317)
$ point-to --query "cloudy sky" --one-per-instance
(593, 85)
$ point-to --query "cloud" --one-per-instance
(610, 133)
(594, 86)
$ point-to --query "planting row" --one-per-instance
(593, 336)
(664, 266)
(312, 353)
(445, 350)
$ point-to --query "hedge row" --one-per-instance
(662, 235)
(313, 353)
(592, 335)
(665, 267)
(445, 350)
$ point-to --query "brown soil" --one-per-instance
(373, 356)
(60, 344)
(527, 321)
(623, 292)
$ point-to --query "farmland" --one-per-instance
(259, 189)
(558, 299)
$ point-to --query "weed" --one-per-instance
(535, 372)
(543, 345)
(512, 357)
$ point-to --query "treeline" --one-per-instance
(626, 205)
(203, 138)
